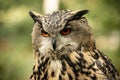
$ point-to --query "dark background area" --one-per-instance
(16, 54)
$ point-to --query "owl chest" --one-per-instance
(65, 69)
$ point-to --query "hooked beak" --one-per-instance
(54, 44)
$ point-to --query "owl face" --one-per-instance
(60, 32)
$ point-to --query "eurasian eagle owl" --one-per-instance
(65, 49)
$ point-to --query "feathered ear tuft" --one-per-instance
(35, 16)
(78, 14)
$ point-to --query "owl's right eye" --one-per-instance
(44, 33)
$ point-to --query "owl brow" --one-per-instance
(67, 24)
(43, 29)
(41, 26)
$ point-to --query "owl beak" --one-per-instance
(54, 44)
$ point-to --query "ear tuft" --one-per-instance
(78, 14)
(34, 15)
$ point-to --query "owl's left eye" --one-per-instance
(44, 33)
(65, 31)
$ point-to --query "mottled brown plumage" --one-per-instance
(65, 49)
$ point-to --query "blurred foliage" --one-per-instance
(16, 56)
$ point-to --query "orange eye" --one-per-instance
(44, 33)
(65, 31)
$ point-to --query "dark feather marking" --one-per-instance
(81, 55)
(63, 68)
(31, 76)
(62, 72)
(42, 67)
(101, 66)
(91, 67)
(81, 62)
(45, 63)
(87, 73)
(39, 73)
(33, 67)
(72, 65)
(45, 76)
(93, 77)
(95, 56)
(34, 74)
(60, 77)
(42, 57)
(53, 74)
(70, 77)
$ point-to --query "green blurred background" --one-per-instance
(16, 54)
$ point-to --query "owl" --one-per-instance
(65, 48)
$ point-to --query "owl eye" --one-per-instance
(44, 33)
(65, 31)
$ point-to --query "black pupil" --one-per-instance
(45, 32)
(65, 30)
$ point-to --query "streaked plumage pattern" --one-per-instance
(73, 56)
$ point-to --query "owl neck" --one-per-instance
(88, 45)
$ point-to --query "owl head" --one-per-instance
(61, 32)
